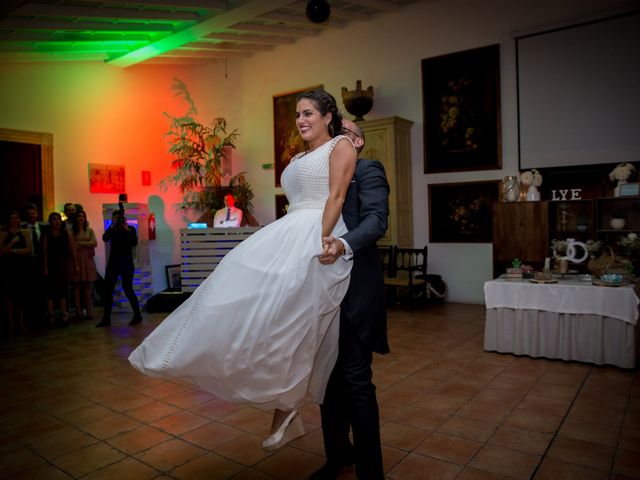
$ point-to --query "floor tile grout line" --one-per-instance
(626, 412)
(564, 417)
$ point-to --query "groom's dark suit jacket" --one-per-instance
(365, 213)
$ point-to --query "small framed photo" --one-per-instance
(174, 282)
(629, 189)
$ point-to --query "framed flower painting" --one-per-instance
(286, 140)
(462, 212)
(461, 108)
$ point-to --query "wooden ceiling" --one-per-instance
(127, 32)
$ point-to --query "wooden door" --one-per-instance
(20, 176)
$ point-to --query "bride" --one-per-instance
(262, 329)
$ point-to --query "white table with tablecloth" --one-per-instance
(568, 320)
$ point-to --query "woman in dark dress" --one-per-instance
(58, 247)
(15, 248)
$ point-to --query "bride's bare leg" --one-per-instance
(285, 427)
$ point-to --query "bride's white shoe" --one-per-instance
(291, 428)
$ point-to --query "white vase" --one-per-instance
(533, 195)
(618, 223)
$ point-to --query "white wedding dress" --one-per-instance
(262, 329)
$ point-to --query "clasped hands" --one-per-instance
(332, 249)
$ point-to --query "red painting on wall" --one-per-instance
(106, 178)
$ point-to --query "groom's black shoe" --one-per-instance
(331, 470)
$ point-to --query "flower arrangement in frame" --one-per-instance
(461, 108)
(287, 142)
(462, 212)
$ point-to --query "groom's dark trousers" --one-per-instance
(350, 398)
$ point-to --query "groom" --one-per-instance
(350, 398)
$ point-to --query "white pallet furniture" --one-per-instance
(202, 249)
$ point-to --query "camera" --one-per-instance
(122, 198)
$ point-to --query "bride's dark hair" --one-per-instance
(325, 103)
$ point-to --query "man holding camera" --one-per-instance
(122, 238)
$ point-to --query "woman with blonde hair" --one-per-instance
(85, 275)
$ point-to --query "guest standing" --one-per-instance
(85, 239)
(35, 307)
(121, 238)
(15, 247)
(58, 247)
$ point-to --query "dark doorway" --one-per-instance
(20, 176)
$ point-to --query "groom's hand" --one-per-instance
(332, 248)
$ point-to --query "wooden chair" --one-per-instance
(408, 271)
(386, 255)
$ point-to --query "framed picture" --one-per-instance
(106, 178)
(172, 273)
(461, 108)
(286, 140)
(282, 204)
(462, 212)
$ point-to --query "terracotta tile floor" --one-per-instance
(72, 407)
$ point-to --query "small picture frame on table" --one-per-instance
(173, 274)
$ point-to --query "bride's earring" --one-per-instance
(291, 428)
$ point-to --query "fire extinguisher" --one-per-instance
(152, 226)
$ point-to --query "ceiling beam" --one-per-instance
(276, 29)
(298, 20)
(234, 37)
(51, 57)
(217, 5)
(107, 13)
(376, 5)
(20, 24)
(249, 47)
(28, 36)
(190, 34)
(179, 52)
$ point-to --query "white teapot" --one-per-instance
(571, 252)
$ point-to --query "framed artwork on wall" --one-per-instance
(461, 108)
(282, 204)
(462, 212)
(106, 178)
(286, 140)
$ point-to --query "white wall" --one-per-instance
(106, 115)
(101, 114)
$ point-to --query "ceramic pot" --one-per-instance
(358, 102)
(510, 189)
(533, 195)
(618, 223)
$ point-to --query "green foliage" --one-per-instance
(197, 151)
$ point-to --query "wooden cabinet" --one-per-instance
(607, 208)
(572, 219)
(520, 230)
(525, 230)
(389, 141)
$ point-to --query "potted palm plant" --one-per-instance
(198, 151)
